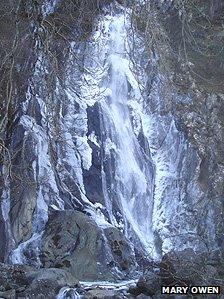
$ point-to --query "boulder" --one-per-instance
(149, 284)
(13, 277)
(74, 242)
(46, 283)
(158, 295)
(188, 267)
(142, 296)
(10, 294)
(101, 294)
(18, 281)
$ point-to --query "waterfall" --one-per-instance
(127, 172)
(68, 293)
(104, 172)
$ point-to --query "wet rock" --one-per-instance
(22, 213)
(142, 296)
(190, 268)
(149, 284)
(93, 177)
(107, 294)
(74, 242)
(10, 294)
(101, 294)
(3, 237)
(23, 192)
(185, 268)
(46, 283)
(158, 295)
(18, 281)
(62, 277)
(135, 291)
(173, 267)
(13, 277)
(120, 248)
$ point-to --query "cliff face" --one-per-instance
(111, 133)
(186, 38)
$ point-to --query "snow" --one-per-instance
(93, 138)
(98, 216)
(17, 256)
(5, 205)
(49, 6)
(85, 151)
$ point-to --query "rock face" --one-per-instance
(111, 144)
(184, 84)
(74, 242)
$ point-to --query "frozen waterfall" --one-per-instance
(68, 293)
(127, 171)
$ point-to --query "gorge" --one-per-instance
(111, 144)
